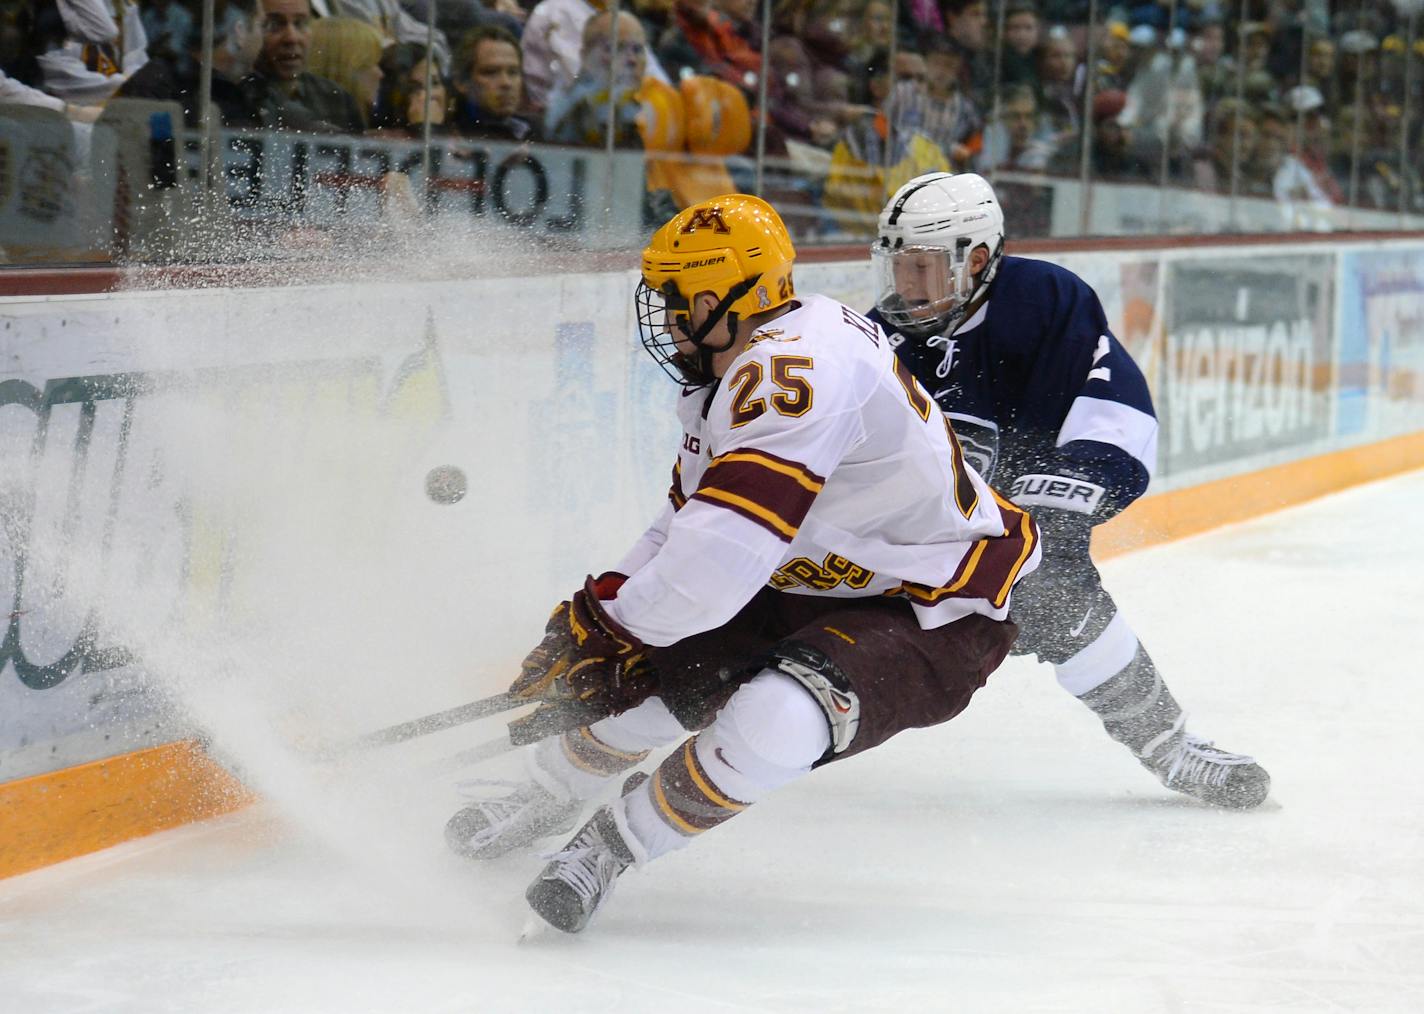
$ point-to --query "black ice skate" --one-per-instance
(579, 878)
(490, 828)
(1191, 765)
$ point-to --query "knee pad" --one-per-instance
(771, 732)
(828, 686)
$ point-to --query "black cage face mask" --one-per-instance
(665, 318)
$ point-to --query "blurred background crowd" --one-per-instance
(825, 106)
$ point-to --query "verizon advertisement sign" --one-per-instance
(1248, 358)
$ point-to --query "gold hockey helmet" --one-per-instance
(735, 247)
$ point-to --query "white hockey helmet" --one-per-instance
(921, 257)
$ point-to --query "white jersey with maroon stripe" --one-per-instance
(819, 466)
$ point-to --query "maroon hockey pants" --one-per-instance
(906, 677)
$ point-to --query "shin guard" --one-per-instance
(1136, 707)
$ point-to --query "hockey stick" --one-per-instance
(446, 719)
(487, 750)
(549, 720)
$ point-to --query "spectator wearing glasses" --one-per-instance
(1231, 138)
(552, 46)
(578, 114)
(281, 93)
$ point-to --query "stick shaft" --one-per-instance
(478, 754)
(441, 720)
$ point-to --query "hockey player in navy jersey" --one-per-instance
(826, 573)
(1052, 409)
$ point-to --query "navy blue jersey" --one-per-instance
(1048, 404)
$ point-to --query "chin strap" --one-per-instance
(701, 374)
(722, 309)
(985, 277)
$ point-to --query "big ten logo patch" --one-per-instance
(830, 573)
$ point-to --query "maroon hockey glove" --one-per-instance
(587, 656)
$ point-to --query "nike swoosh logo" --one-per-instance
(723, 758)
(1079, 628)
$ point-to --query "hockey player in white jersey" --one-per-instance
(828, 572)
(1018, 353)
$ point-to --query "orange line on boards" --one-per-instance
(1195, 509)
(62, 814)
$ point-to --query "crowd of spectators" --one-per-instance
(1286, 99)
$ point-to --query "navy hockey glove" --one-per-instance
(588, 657)
(1082, 485)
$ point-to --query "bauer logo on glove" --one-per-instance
(586, 655)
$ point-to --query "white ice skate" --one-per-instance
(490, 828)
(1193, 766)
(580, 877)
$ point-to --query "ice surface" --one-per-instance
(1013, 860)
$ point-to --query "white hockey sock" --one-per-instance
(769, 733)
(579, 764)
(1109, 654)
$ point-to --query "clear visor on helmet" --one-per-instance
(919, 288)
